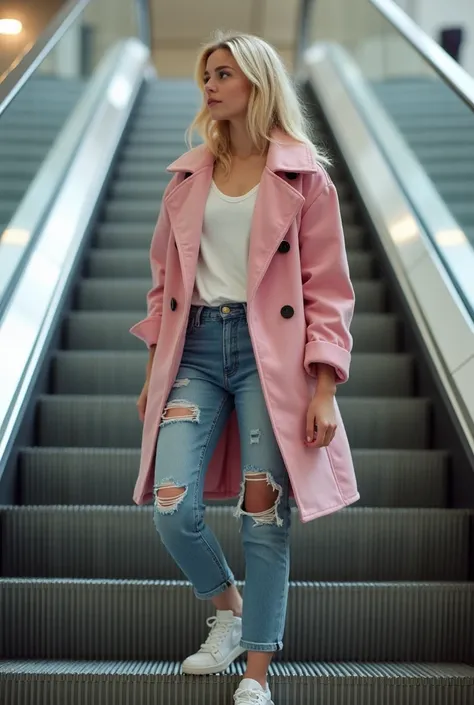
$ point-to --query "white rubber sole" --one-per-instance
(215, 668)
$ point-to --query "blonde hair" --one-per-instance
(273, 101)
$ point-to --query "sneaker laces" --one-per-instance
(219, 630)
(244, 696)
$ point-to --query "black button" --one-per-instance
(287, 311)
(291, 175)
(173, 304)
(284, 247)
(187, 174)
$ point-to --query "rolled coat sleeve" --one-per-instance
(327, 290)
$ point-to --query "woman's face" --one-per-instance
(227, 88)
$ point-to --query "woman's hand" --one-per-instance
(321, 420)
(142, 400)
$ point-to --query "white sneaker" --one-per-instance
(250, 692)
(221, 647)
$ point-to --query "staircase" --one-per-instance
(94, 610)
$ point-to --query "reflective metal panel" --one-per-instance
(361, 130)
(26, 325)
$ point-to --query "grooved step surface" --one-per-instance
(122, 619)
(386, 478)
(97, 421)
(108, 330)
(121, 542)
(301, 683)
(103, 372)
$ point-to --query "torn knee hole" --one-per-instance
(168, 497)
(260, 497)
(179, 410)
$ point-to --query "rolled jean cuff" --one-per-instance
(217, 591)
(252, 646)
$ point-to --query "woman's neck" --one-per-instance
(241, 144)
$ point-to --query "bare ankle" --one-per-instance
(230, 599)
(258, 663)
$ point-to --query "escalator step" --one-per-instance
(429, 154)
(386, 478)
(122, 620)
(356, 545)
(442, 137)
(22, 169)
(100, 372)
(112, 421)
(156, 135)
(304, 683)
(11, 189)
(45, 135)
(97, 330)
(455, 191)
(448, 169)
(149, 153)
(463, 212)
(157, 121)
(127, 189)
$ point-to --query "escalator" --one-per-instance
(440, 130)
(28, 130)
(93, 607)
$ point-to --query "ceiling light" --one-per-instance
(8, 26)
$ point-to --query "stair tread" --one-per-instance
(352, 511)
(460, 586)
(344, 670)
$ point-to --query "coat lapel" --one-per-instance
(185, 205)
(278, 203)
(276, 207)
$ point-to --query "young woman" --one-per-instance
(248, 332)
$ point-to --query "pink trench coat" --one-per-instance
(296, 203)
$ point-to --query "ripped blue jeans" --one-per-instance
(217, 374)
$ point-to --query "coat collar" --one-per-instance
(284, 154)
(278, 204)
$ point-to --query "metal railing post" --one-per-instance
(144, 22)
(302, 33)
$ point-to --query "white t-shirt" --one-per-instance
(221, 275)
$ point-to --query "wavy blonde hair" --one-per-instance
(273, 101)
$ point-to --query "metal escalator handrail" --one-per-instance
(18, 74)
(445, 66)
(423, 244)
(35, 306)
